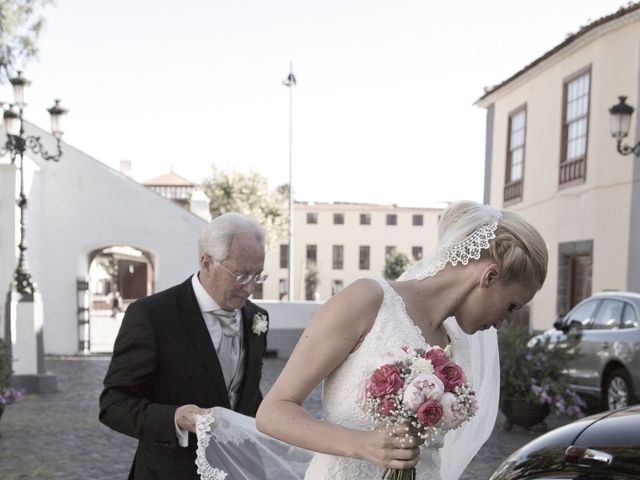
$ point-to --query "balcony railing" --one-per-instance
(513, 191)
(572, 170)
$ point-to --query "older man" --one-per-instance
(194, 346)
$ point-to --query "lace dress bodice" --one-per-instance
(343, 390)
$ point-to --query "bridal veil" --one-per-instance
(230, 447)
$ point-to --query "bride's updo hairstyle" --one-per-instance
(520, 251)
(470, 230)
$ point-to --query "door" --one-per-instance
(597, 342)
(579, 280)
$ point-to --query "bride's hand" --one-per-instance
(392, 447)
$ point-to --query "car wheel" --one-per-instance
(618, 391)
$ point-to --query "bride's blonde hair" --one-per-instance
(520, 250)
(518, 247)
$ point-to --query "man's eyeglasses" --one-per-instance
(244, 278)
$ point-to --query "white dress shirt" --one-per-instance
(206, 305)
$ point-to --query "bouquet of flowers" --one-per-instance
(426, 389)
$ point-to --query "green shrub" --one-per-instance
(537, 372)
(8, 395)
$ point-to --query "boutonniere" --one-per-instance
(260, 324)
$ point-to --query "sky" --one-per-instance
(383, 109)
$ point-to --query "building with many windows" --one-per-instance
(337, 243)
(550, 156)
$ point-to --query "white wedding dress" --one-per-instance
(343, 388)
(224, 435)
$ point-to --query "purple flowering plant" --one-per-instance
(537, 372)
(8, 395)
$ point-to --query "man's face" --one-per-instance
(246, 256)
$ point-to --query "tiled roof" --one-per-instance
(569, 40)
(168, 179)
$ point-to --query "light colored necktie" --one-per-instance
(229, 351)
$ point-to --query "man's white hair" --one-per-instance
(216, 238)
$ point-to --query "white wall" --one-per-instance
(8, 257)
(79, 204)
(288, 315)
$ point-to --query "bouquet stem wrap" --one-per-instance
(393, 474)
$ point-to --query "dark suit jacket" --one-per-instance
(163, 358)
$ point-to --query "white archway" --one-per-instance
(117, 275)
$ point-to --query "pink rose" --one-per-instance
(451, 375)
(385, 380)
(387, 405)
(425, 386)
(452, 416)
(429, 413)
(437, 357)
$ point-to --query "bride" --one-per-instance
(487, 264)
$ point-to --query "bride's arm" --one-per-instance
(333, 332)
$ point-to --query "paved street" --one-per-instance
(58, 436)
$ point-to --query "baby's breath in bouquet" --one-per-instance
(427, 390)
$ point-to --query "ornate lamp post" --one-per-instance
(16, 145)
(620, 123)
(24, 319)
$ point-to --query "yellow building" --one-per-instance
(347, 241)
(550, 156)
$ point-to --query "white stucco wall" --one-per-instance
(289, 315)
(78, 205)
(8, 249)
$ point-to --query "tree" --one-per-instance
(311, 280)
(232, 191)
(395, 263)
(20, 27)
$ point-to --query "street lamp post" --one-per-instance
(24, 309)
(290, 82)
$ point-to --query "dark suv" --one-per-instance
(609, 367)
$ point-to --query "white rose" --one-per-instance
(260, 324)
(422, 365)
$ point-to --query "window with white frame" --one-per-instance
(575, 127)
(515, 154)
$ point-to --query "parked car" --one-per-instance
(608, 368)
(602, 446)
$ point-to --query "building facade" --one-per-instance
(337, 243)
(550, 157)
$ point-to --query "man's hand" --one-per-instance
(186, 416)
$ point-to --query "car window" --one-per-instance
(583, 314)
(609, 315)
(629, 319)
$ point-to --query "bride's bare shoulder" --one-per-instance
(363, 296)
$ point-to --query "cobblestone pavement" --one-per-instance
(58, 436)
